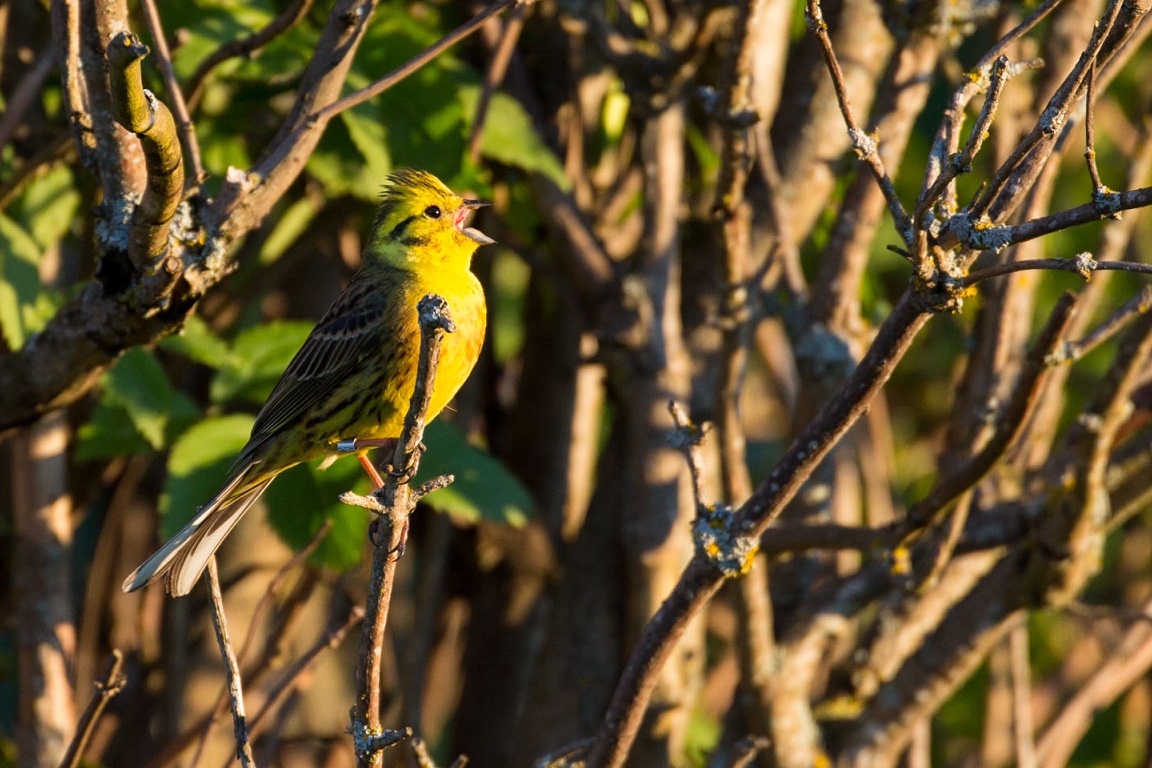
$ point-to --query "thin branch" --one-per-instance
(948, 136)
(398, 502)
(247, 46)
(999, 196)
(1009, 424)
(494, 77)
(864, 144)
(1114, 676)
(107, 686)
(962, 163)
(701, 579)
(1083, 266)
(403, 71)
(1071, 351)
(66, 37)
(1089, 132)
(232, 668)
(184, 126)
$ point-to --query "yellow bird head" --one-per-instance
(421, 220)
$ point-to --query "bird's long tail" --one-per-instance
(186, 554)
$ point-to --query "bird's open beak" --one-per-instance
(471, 232)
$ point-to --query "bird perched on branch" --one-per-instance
(351, 381)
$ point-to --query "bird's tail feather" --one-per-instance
(185, 556)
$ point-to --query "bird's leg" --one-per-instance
(371, 470)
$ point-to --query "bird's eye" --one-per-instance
(432, 211)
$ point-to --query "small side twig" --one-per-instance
(107, 686)
(397, 501)
(232, 668)
(1073, 350)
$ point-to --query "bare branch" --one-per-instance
(231, 667)
(107, 686)
(1084, 265)
(1008, 425)
(184, 125)
(398, 503)
(864, 144)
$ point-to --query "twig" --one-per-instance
(107, 686)
(398, 74)
(246, 46)
(397, 501)
(205, 724)
(1115, 675)
(1089, 134)
(495, 75)
(864, 144)
(948, 136)
(1071, 351)
(962, 163)
(1009, 425)
(184, 125)
(999, 197)
(1082, 266)
(235, 690)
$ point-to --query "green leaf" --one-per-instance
(483, 489)
(302, 498)
(107, 434)
(510, 138)
(198, 466)
(137, 383)
(19, 281)
(196, 341)
(259, 356)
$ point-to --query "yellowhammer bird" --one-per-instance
(357, 370)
